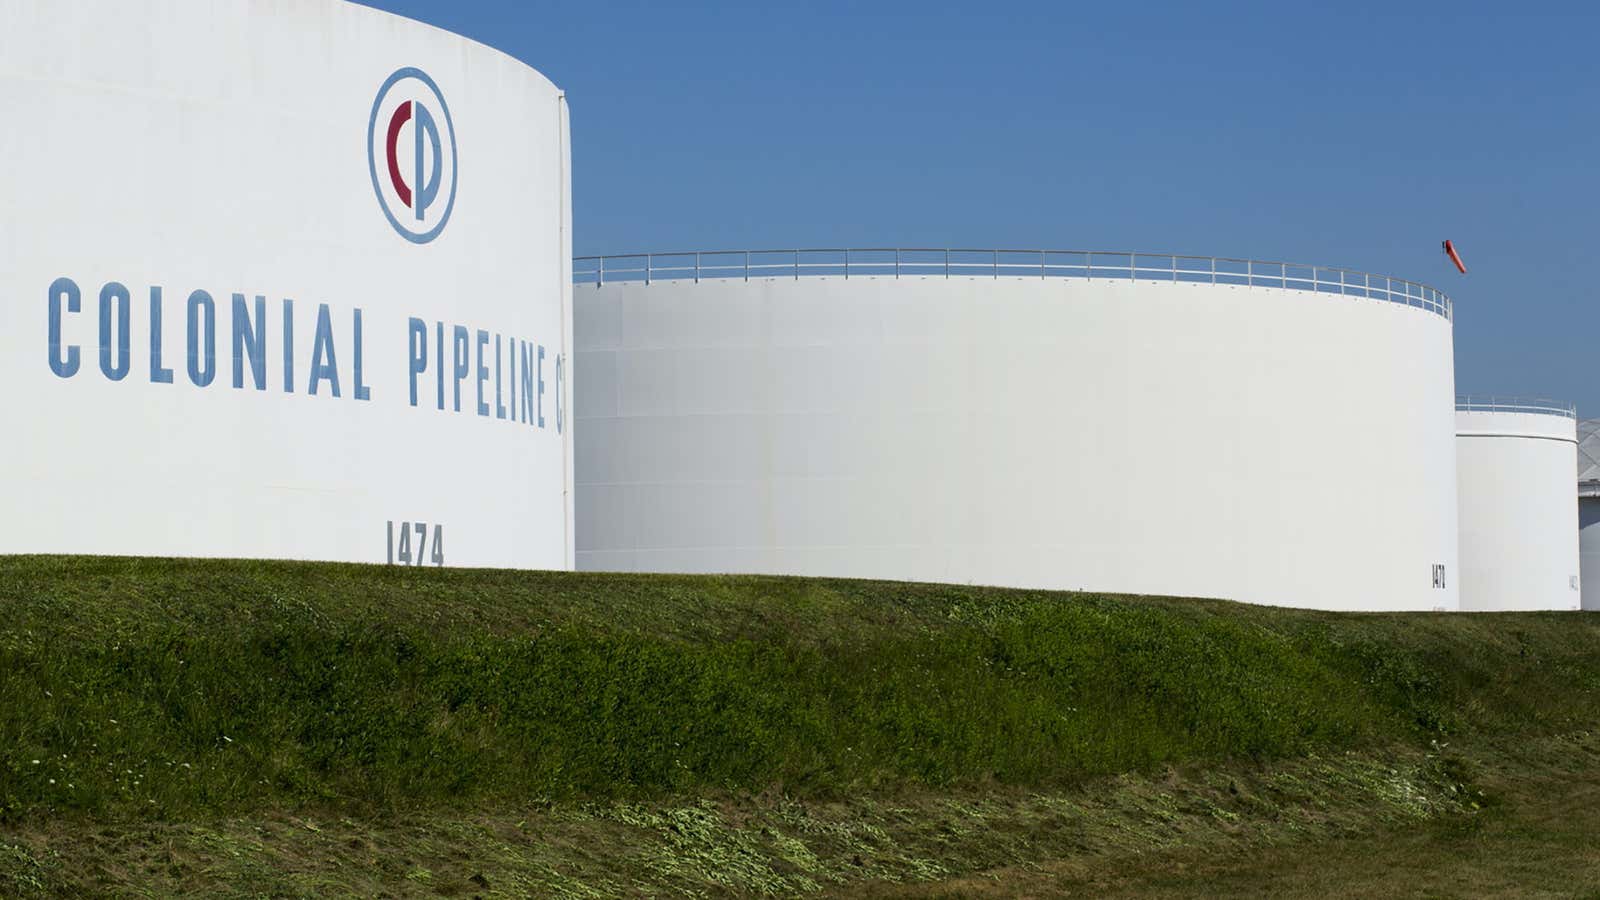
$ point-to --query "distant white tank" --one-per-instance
(1518, 511)
(1589, 510)
(1116, 422)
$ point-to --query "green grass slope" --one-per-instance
(163, 690)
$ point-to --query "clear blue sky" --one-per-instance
(1348, 134)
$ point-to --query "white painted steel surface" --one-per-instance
(1589, 510)
(1589, 550)
(1518, 509)
(1263, 444)
(239, 148)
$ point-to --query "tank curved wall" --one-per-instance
(1264, 444)
(1589, 510)
(1518, 509)
(239, 247)
(1589, 548)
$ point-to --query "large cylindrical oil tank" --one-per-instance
(1589, 510)
(1112, 422)
(281, 280)
(1518, 509)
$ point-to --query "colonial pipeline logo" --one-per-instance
(411, 153)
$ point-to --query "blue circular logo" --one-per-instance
(412, 174)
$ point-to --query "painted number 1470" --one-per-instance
(420, 552)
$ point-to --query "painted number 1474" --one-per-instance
(420, 552)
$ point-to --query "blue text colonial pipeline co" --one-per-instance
(451, 367)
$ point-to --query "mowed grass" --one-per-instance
(1228, 830)
(165, 690)
(1524, 826)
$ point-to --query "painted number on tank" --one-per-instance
(420, 551)
(1438, 577)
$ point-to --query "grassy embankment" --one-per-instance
(274, 728)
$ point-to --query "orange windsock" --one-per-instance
(1450, 251)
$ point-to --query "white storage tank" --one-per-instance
(1519, 515)
(286, 280)
(1138, 423)
(1589, 510)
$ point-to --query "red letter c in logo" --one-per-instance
(402, 115)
